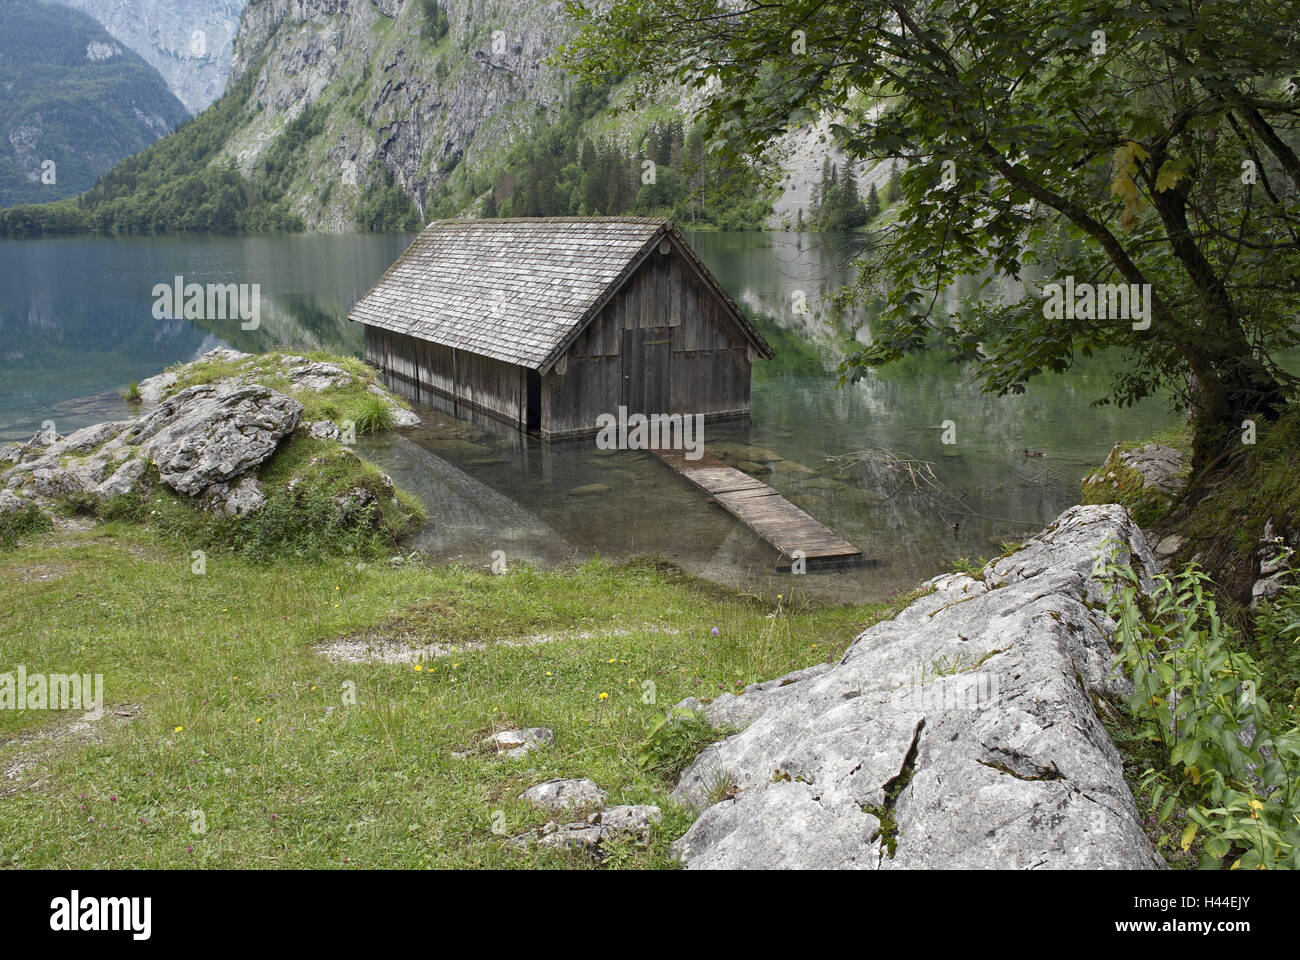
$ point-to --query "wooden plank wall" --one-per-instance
(420, 371)
(491, 385)
(709, 366)
(591, 384)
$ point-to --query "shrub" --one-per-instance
(1226, 753)
(435, 25)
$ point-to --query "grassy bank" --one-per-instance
(222, 713)
(353, 401)
(320, 498)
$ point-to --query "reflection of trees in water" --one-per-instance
(985, 490)
(53, 350)
(77, 316)
(294, 321)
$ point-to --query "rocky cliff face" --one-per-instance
(187, 41)
(390, 96)
(73, 102)
(352, 107)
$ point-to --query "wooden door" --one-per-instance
(647, 361)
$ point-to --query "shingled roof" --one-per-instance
(519, 290)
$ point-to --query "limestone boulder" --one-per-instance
(153, 388)
(564, 794)
(207, 434)
(961, 734)
(127, 478)
(314, 375)
(10, 502)
(1162, 468)
(324, 430)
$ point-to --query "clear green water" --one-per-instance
(76, 325)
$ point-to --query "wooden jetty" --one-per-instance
(774, 518)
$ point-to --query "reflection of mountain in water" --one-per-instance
(76, 314)
(299, 321)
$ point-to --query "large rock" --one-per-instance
(88, 438)
(56, 482)
(1161, 467)
(959, 734)
(94, 459)
(207, 434)
(153, 388)
(235, 498)
(36, 455)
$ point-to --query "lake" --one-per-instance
(77, 324)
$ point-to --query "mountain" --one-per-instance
(73, 102)
(383, 114)
(189, 42)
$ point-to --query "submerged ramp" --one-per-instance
(770, 515)
(465, 515)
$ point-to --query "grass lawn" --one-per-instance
(227, 741)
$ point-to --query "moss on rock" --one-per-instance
(1142, 477)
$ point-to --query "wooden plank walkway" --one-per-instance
(766, 512)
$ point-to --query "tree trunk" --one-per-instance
(1232, 383)
(1231, 390)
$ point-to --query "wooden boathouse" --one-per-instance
(545, 324)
